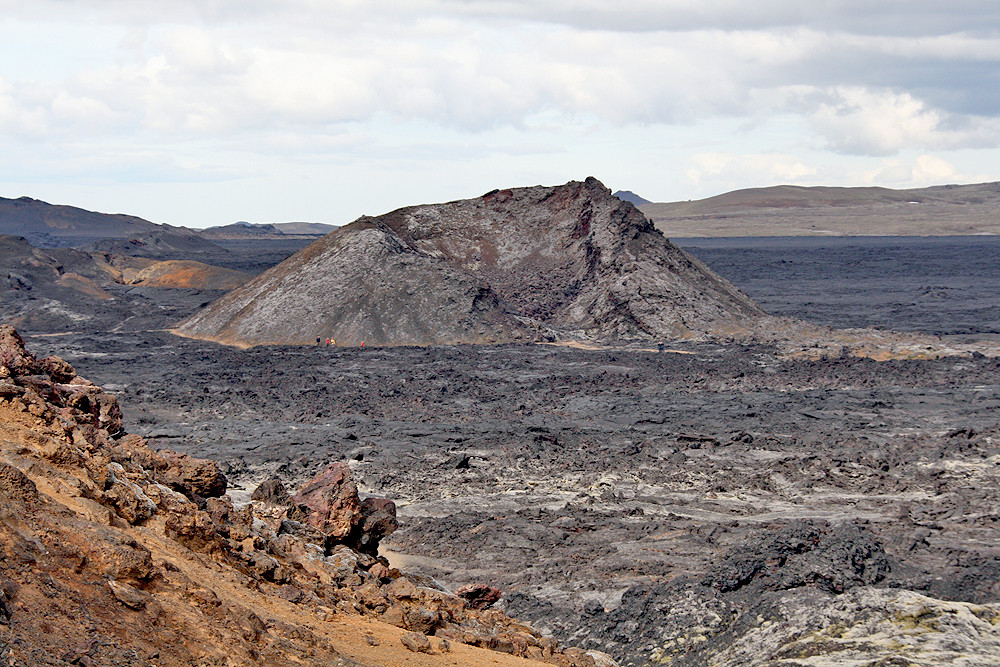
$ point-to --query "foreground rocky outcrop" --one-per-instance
(112, 553)
(518, 264)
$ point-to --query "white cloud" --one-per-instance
(234, 69)
(860, 121)
(723, 168)
(866, 122)
(19, 116)
(920, 171)
(83, 111)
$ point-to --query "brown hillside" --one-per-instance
(566, 261)
(789, 210)
(187, 274)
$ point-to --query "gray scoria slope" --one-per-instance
(520, 264)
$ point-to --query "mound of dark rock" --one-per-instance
(834, 559)
(691, 620)
(518, 264)
(164, 243)
(631, 197)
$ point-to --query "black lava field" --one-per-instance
(598, 487)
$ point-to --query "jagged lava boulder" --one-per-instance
(517, 264)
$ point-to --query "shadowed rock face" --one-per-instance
(515, 264)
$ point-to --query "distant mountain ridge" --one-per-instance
(47, 225)
(55, 225)
(514, 264)
(631, 197)
(269, 230)
(791, 210)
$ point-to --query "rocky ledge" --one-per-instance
(112, 553)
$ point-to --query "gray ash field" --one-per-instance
(655, 505)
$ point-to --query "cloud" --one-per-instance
(865, 122)
(726, 168)
(226, 67)
(18, 115)
(859, 121)
(921, 171)
(85, 111)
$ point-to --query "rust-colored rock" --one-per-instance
(13, 355)
(57, 368)
(192, 476)
(329, 502)
(128, 595)
(15, 486)
(193, 529)
(479, 596)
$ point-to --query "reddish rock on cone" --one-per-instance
(479, 596)
(191, 475)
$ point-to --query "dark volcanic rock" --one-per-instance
(513, 264)
(800, 554)
(272, 492)
(62, 289)
(163, 243)
(378, 519)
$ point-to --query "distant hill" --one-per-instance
(46, 225)
(318, 228)
(275, 230)
(631, 197)
(519, 264)
(57, 288)
(161, 243)
(789, 210)
(56, 226)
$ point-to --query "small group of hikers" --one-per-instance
(331, 341)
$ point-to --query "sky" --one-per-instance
(207, 112)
